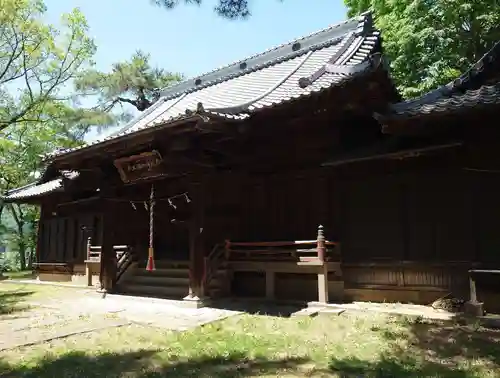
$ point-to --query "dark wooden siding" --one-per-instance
(63, 238)
(420, 229)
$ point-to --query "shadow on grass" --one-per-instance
(234, 365)
(141, 364)
(255, 307)
(26, 274)
(449, 341)
(392, 367)
(11, 301)
(431, 349)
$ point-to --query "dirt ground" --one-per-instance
(31, 314)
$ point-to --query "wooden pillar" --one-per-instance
(320, 244)
(39, 236)
(473, 306)
(108, 258)
(270, 284)
(323, 283)
(88, 270)
(196, 243)
(472, 285)
(323, 267)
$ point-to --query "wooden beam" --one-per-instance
(399, 155)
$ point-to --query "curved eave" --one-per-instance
(481, 74)
(485, 98)
(180, 120)
(36, 191)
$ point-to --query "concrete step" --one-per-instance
(174, 272)
(160, 264)
(215, 293)
(159, 280)
(163, 272)
(169, 279)
(149, 290)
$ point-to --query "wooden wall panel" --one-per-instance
(372, 225)
(407, 276)
(453, 221)
(52, 249)
(61, 236)
(64, 240)
(71, 238)
(487, 217)
(421, 206)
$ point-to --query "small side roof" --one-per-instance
(284, 73)
(36, 189)
(480, 85)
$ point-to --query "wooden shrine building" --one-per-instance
(243, 164)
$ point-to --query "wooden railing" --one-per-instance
(299, 250)
(212, 263)
(93, 251)
(53, 267)
(124, 256)
(304, 252)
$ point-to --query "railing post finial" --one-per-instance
(89, 244)
(320, 243)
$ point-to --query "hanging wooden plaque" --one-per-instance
(140, 167)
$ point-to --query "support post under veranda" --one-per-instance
(196, 293)
(107, 272)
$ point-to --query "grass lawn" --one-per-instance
(375, 345)
(13, 296)
(19, 275)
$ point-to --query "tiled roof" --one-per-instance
(476, 86)
(485, 95)
(286, 72)
(37, 189)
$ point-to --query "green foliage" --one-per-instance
(230, 9)
(39, 111)
(38, 63)
(134, 82)
(20, 153)
(430, 43)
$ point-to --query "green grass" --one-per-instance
(19, 275)
(14, 297)
(261, 346)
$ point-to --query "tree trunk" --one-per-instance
(31, 254)
(21, 241)
(22, 252)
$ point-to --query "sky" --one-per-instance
(192, 40)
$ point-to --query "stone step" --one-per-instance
(168, 281)
(162, 272)
(148, 290)
(172, 272)
(166, 264)
(155, 280)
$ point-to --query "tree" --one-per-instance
(20, 153)
(37, 61)
(230, 9)
(39, 111)
(430, 43)
(134, 82)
